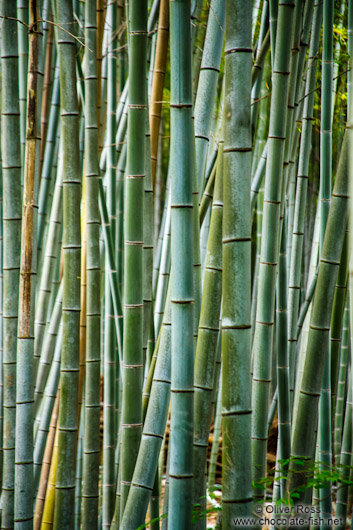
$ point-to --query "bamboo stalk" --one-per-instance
(91, 444)
(158, 82)
(133, 248)
(68, 409)
(236, 286)
(305, 419)
(25, 343)
(11, 226)
(182, 296)
(263, 337)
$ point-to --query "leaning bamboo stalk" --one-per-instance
(48, 349)
(337, 320)
(306, 417)
(11, 221)
(92, 371)
(46, 413)
(68, 408)
(48, 269)
(25, 343)
(49, 158)
(206, 350)
(345, 461)
(207, 86)
(47, 458)
(153, 433)
(341, 390)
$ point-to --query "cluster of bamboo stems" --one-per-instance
(175, 245)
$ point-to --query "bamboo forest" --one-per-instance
(176, 264)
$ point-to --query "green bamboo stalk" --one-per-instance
(313, 271)
(206, 350)
(215, 443)
(263, 337)
(11, 220)
(301, 194)
(283, 401)
(345, 461)
(48, 348)
(305, 419)
(110, 368)
(79, 464)
(49, 157)
(91, 442)
(342, 384)
(23, 16)
(147, 246)
(325, 438)
(256, 89)
(153, 433)
(164, 272)
(133, 248)
(25, 344)
(182, 297)
(236, 288)
(158, 82)
(68, 409)
(50, 256)
(337, 320)
(46, 412)
(207, 86)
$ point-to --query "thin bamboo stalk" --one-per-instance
(91, 444)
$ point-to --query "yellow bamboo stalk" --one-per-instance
(49, 504)
(158, 81)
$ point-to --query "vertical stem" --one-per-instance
(236, 290)
(91, 444)
(68, 408)
(11, 189)
(25, 342)
(182, 153)
(133, 253)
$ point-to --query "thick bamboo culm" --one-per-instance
(176, 304)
